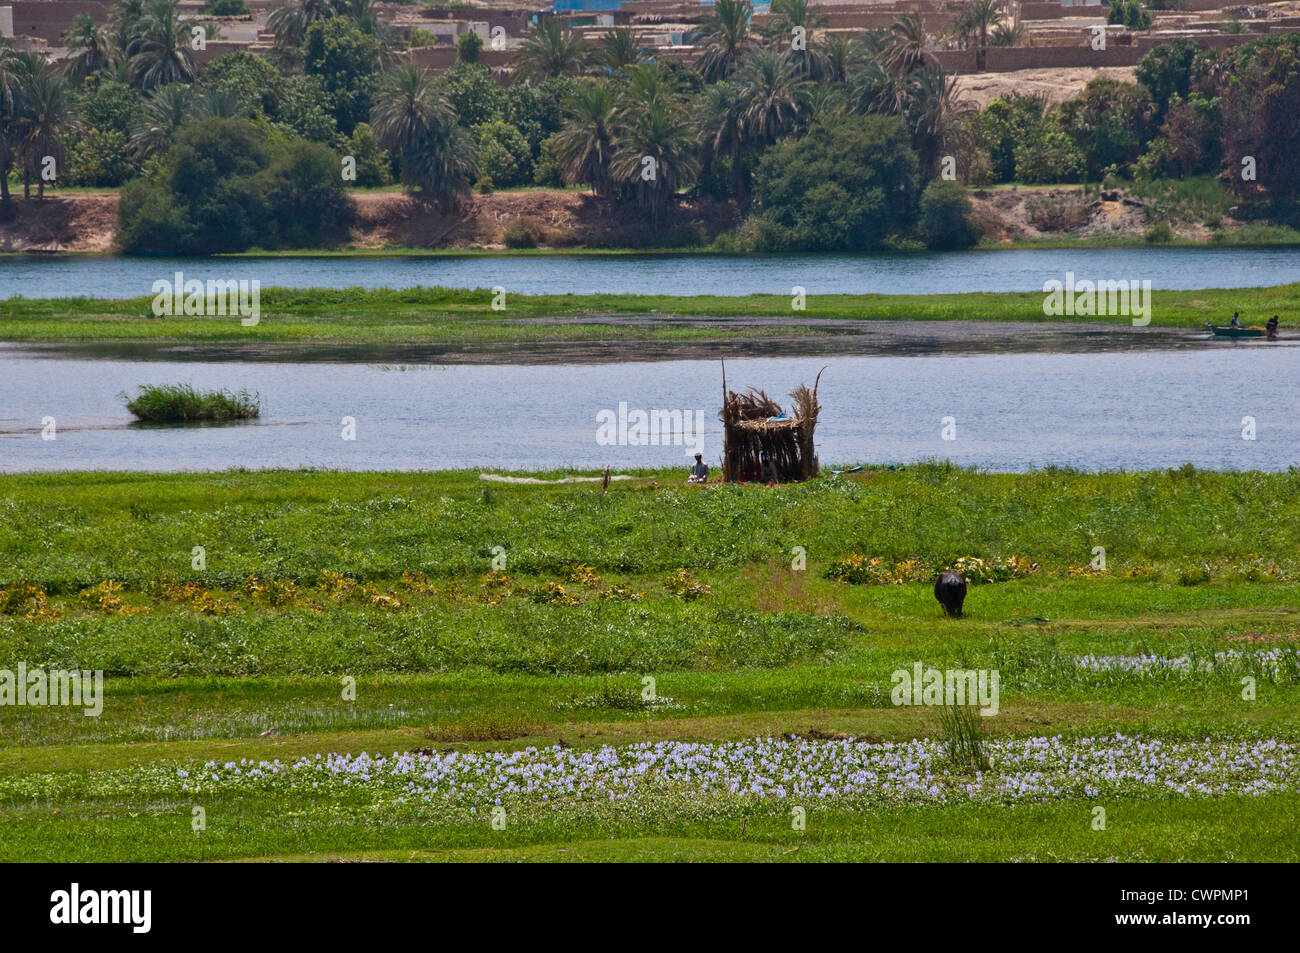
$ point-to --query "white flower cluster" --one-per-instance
(1273, 661)
(1035, 769)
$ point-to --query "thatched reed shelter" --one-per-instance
(761, 442)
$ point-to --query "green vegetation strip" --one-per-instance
(315, 578)
(453, 317)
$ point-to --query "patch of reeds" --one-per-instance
(963, 739)
(181, 403)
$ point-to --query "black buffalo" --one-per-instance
(950, 590)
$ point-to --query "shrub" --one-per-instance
(228, 8)
(468, 47)
(524, 232)
(421, 37)
(945, 216)
(181, 403)
(1057, 213)
(1158, 234)
(373, 166)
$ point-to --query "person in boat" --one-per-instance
(1234, 323)
(1271, 326)
(699, 470)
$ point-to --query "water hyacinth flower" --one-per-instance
(1031, 769)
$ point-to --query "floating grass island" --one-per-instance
(181, 403)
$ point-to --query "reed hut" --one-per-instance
(755, 429)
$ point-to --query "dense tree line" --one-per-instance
(821, 141)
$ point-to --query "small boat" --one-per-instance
(1227, 331)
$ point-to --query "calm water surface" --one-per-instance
(1132, 410)
(1020, 270)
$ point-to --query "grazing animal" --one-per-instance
(950, 590)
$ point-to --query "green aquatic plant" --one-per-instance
(181, 403)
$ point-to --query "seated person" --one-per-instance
(699, 471)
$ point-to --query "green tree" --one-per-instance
(774, 97)
(414, 120)
(91, 49)
(224, 186)
(846, 186)
(619, 49)
(584, 148)
(468, 47)
(718, 112)
(1048, 154)
(290, 20)
(372, 161)
(347, 62)
(725, 35)
(1166, 72)
(654, 157)
(1008, 122)
(791, 27)
(945, 216)
(503, 155)
(475, 95)
(161, 116)
(550, 50)
(1111, 123)
(159, 48)
(47, 116)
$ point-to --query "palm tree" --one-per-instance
(619, 49)
(584, 148)
(549, 50)
(406, 105)
(412, 118)
(655, 157)
(717, 122)
(122, 19)
(981, 16)
(47, 114)
(875, 89)
(907, 45)
(841, 52)
(220, 104)
(1007, 35)
(289, 20)
(774, 95)
(646, 85)
(788, 16)
(160, 48)
(11, 73)
(726, 35)
(161, 115)
(932, 112)
(92, 49)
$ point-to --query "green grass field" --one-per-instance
(458, 317)
(314, 581)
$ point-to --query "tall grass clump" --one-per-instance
(963, 740)
(181, 403)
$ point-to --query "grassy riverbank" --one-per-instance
(310, 578)
(437, 316)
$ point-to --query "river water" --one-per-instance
(929, 273)
(1010, 412)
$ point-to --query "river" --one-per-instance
(1009, 412)
(921, 273)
